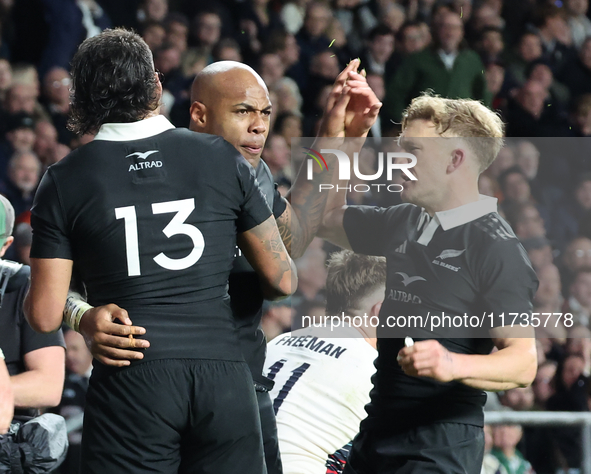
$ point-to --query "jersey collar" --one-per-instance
(467, 213)
(454, 217)
(121, 132)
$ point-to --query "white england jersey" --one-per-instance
(321, 388)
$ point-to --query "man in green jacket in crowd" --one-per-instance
(449, 70)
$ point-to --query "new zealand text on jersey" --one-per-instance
(314, 344)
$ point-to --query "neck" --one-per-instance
(456, 197)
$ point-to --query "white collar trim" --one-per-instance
(121, 132)
(467, 213)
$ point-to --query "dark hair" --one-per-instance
(502, 179)
(176, 17)
(379, 30)
(535, 63)
(489, 29)
(113, 81)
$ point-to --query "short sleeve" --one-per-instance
(50, 239)
(31, 340)
(365, 227)
(279, 203)
(508, 280)
(254, 209)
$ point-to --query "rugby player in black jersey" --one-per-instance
(151, 223)
(231, 100)
(449, 251)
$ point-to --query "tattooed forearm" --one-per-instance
(263, 247)
(284, 226)
(308, 205)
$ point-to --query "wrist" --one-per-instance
(74, 310)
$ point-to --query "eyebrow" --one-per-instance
(251, 108)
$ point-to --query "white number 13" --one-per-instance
(183, 209)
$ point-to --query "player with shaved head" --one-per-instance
(231, 100)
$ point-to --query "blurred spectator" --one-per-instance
(490, 464)
(20, 137)
(539, 71)
(528, 159)
(23, 238)
(227, 49)
(177, 31)
(152, 10)
(206, 32)
(78, 370)
(357, 19)
(394, 15)
(581, 120)
(154, 34)
(539, 251)
(518, 399)
(271, 69)
(575, 257)
(571, 382)
(292, 15)
(288, 125)
(528, 49)
(70, 22)
(542, 385)
(577, 73)
(312, 37)
(505, 159)
(45, 141)
(277, 316)
(555, 36)
(289, 98)
(531, 115)
(505, 440)
(56, 92)
(447, 69)
(411, 39)
(526, 221)
(5, 78)
(167, 60)
(549, 293)
(490, 44)
(377, 58)
(277, 156)
(571, 210)
(376, 82)
(257, 16)
(286, 46)
(24, 172)
(578, 302)
(20, 98)
(579, 23)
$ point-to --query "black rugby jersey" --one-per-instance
(466, 260)
(246, 293)
(151, 226)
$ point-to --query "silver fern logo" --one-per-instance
(450, 254)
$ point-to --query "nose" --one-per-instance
(258, 124)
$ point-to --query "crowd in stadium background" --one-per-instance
(530, 60)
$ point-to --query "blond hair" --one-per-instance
(351, 278)
(465, 118)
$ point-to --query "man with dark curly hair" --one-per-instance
(151, 223)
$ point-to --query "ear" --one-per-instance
(458, 156)
(198, 116)
(7, 244)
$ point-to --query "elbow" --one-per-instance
(42, 320)
(285, 287)
(529, 373)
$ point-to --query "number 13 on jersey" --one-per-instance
(183, 209)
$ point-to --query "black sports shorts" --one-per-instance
(173, 415)
(269, 427)
(440, 448)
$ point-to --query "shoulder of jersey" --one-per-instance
(404, 211)
(226, 150)
(492, 228)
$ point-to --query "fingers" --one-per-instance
(120, 330)
(106, 340)
(340, 82)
